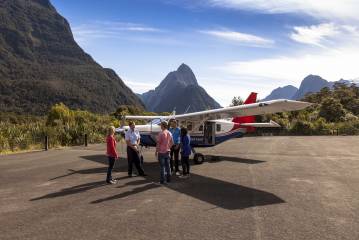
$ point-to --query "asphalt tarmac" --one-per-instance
(255, 188)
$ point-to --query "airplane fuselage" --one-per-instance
(207, 134)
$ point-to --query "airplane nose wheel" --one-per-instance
(198, 158)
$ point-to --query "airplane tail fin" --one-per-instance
(252, 98)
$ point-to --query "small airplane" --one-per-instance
(211, 127)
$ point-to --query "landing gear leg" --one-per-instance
(198, 158)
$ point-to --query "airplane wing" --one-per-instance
(260, 108)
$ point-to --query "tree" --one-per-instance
(331, 110)
(59, 112)
(302, 127)
(236, 101)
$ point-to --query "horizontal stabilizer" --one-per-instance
(270, 124)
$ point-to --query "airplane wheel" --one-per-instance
(198, 158)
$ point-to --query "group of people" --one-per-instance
(171, 141)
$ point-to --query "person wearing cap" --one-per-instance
(175, 131)
(163, 148)
(111, 154)
(133, 138)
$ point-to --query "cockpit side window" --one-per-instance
(200, 128)
(189, 126)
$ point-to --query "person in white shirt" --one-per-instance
(133, 138)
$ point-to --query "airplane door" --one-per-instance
(210, 133)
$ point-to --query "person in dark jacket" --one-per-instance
(176, 133)
(111, 154)
(185, 152)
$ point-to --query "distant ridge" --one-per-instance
(310, 84)
(41, 64)
(286, 92)
(179, 90)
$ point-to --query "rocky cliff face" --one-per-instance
(41, 64)
(179, 90)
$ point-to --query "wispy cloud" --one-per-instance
(328, 9)
(325, 35)
(315, 34)
(239, 37)
(110, 29)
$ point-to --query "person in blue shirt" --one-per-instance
(185, 151)
(176, 132)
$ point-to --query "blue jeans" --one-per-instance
(164, 160)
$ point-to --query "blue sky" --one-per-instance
(233, 46)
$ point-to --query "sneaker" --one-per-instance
(178, 173)
(111, 181)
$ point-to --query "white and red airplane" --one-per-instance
(211, 127)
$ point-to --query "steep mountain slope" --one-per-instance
(41, 64)
(179, 90)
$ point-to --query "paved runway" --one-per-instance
(258, 188)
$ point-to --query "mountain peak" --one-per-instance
(184, 67)
(179, 90)
(312, 77)
(183, 76)
(311, 83)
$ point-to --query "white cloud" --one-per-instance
(315, 34)
(140, 87)
(240, 37)
(326, 35)
(330, 64)
(327, 9)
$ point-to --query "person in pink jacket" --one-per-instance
(111, 154)
(163, 148)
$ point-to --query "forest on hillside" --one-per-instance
(334, 111)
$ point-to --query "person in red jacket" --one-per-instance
(111, 154)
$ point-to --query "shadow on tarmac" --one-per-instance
(218, 158)
(214, 191)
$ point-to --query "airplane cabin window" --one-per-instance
(218, 127)
(189, 126)
(200, 128)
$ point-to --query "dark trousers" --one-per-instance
(174, 155)
(111, 163)
(185, 164)
(133, 157)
